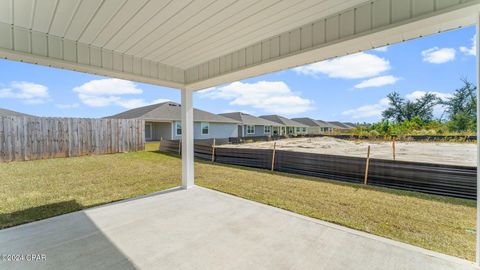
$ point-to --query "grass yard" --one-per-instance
(36, 190)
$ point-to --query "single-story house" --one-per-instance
(340, 126)
(5, 112)
(315, 126)
(352, 125)
(287, 126)
(162, 121)
(252, 126)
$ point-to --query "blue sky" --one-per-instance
(351, 88)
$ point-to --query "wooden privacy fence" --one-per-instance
(439, 179)
(29, 138)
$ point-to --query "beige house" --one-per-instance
(286, 126)
(315, 126)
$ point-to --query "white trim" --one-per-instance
(201, 128)
(270, 130)
(175, 130)
(478, 136)
(250, 133)
(187, 139)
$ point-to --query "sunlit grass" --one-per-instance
(40, 189)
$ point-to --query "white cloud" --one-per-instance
(367, 111)
(270, 97)
(375, 110)
(378, 81)
(437, 55)
(438, 110)
(108, 92)
(108, 87)
(381, 49)
(159, 100)
(67, 106)
(418, 94)
(28, 92)
(470, 50)
(355, 66)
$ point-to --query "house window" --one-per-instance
(178, 128)
(205, 128)
(250, 129)
(298, 129)
(304, 130)
(267, 129)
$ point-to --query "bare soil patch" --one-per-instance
(431, 152)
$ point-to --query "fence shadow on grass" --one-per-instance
(38, 213)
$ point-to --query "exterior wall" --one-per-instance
(327, 130)
(314, 130)
(319, 130)
(216, 130)
(161, 130)
(259, 131)
(301, 130)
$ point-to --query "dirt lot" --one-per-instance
(434, 152)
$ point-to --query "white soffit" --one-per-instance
(200, 43)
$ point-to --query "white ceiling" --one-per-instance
(179, 33)
(201, 43)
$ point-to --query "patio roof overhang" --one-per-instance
(196, 44)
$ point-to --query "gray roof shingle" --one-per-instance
(340, 125)
(283, 121)
(247, 119)
(311, 122)
(5, 112)
(170, 111)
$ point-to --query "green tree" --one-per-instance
(401, 110)
(462, 108)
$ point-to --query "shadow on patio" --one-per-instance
(205, 229)
(70, 241)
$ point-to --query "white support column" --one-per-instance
(187, 139)
(478, 136)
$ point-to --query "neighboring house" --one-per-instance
(163, 121)
(252, 126)
(287, 126)
(340, 126)
(352, 125)
(315, 126)
(5, 112)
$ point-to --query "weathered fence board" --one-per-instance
(29, 138)
(439, 179)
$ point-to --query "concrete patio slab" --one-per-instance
(204, 229)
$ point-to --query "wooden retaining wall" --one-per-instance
(28, 138)
(439, 179)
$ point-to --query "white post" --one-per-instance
(187, 139)
(478, 136)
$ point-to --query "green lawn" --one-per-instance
(36, 190)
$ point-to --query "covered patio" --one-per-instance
(192, 45)
(206, 229)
